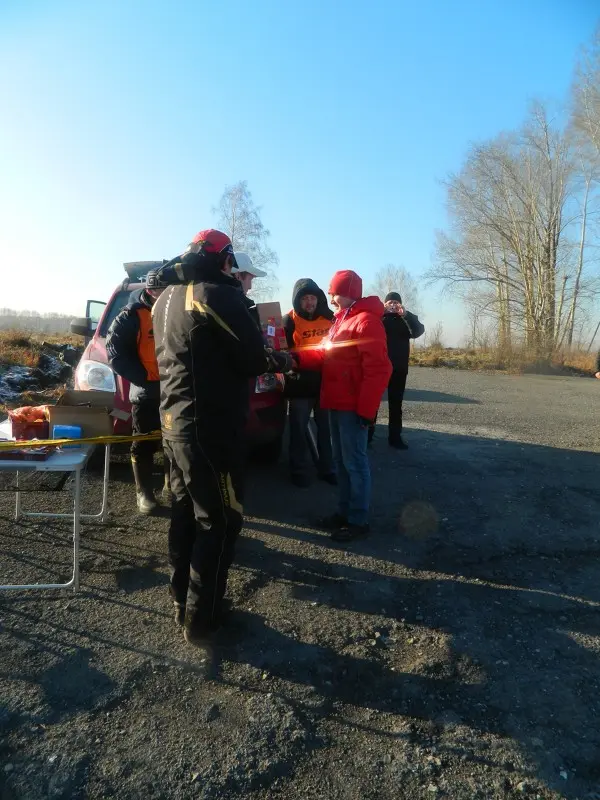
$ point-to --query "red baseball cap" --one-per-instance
(211, 241)
(346, 283)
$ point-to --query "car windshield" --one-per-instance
(119, 302)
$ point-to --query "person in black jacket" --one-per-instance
(207, 346)
(245, 272)
(130, 349)
(400, 326)
(306, 325)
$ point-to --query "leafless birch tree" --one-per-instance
(396, 279)
(240, 218)
(514, 209)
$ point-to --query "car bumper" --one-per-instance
(266, 420)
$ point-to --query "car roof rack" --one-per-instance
(137, 270)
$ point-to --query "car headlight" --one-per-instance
(95, 376)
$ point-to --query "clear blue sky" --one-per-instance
(123, 120)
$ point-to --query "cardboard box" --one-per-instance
(271, 320)
(92, 411)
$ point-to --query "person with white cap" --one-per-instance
(245, 272)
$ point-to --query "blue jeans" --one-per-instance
(349, 442)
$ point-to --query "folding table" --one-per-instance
(61, 460)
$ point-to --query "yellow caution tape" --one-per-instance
(28, 444)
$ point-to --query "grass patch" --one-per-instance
(22, 349)
(516, 361)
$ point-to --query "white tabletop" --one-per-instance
(61, 460)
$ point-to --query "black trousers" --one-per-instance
(206, 519)
(145, 418)
(396, 389)
(300, 411)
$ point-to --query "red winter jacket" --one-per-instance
(353, 360)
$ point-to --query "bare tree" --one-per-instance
(589, 175)
(396, 279)
(477, 303)
(585, 126)
(240, 218)
(512, 212)
(586, 95)
(435, 337)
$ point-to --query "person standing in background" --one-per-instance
(306, 325)
(130, 350)
(400, 327)
(245, 272)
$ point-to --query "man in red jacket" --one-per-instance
(355, 373)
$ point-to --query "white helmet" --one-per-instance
(244, 264)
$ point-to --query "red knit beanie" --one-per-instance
(346, 283)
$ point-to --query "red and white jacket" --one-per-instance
(353, 359)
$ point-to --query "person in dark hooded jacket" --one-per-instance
(400, 327)
(306, 325)
(130, 349)
(207, 347)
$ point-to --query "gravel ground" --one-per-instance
(453, 654)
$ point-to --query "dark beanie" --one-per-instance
(393, 296)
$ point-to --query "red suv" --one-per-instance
(266, 421)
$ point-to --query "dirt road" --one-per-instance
(453, 654)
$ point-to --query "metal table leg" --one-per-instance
(17, 500)
(76, 527)
(77, 517)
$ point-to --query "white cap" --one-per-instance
(244, 264)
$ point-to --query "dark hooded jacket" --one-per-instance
(306, 330)
(130, 348)
(207, 346)
(252, 309)
(399, 331)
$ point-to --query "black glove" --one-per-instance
(364, 422)
(279, 360)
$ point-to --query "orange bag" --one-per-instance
(30, 422)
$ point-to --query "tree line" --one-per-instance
(34, 321)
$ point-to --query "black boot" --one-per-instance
(350, 532)
(329, 477)
(395, 439)
(299, 479)
(333, 522)
(370, 434)
(142, 474)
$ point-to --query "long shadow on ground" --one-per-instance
(505, 542)
(480, 577)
